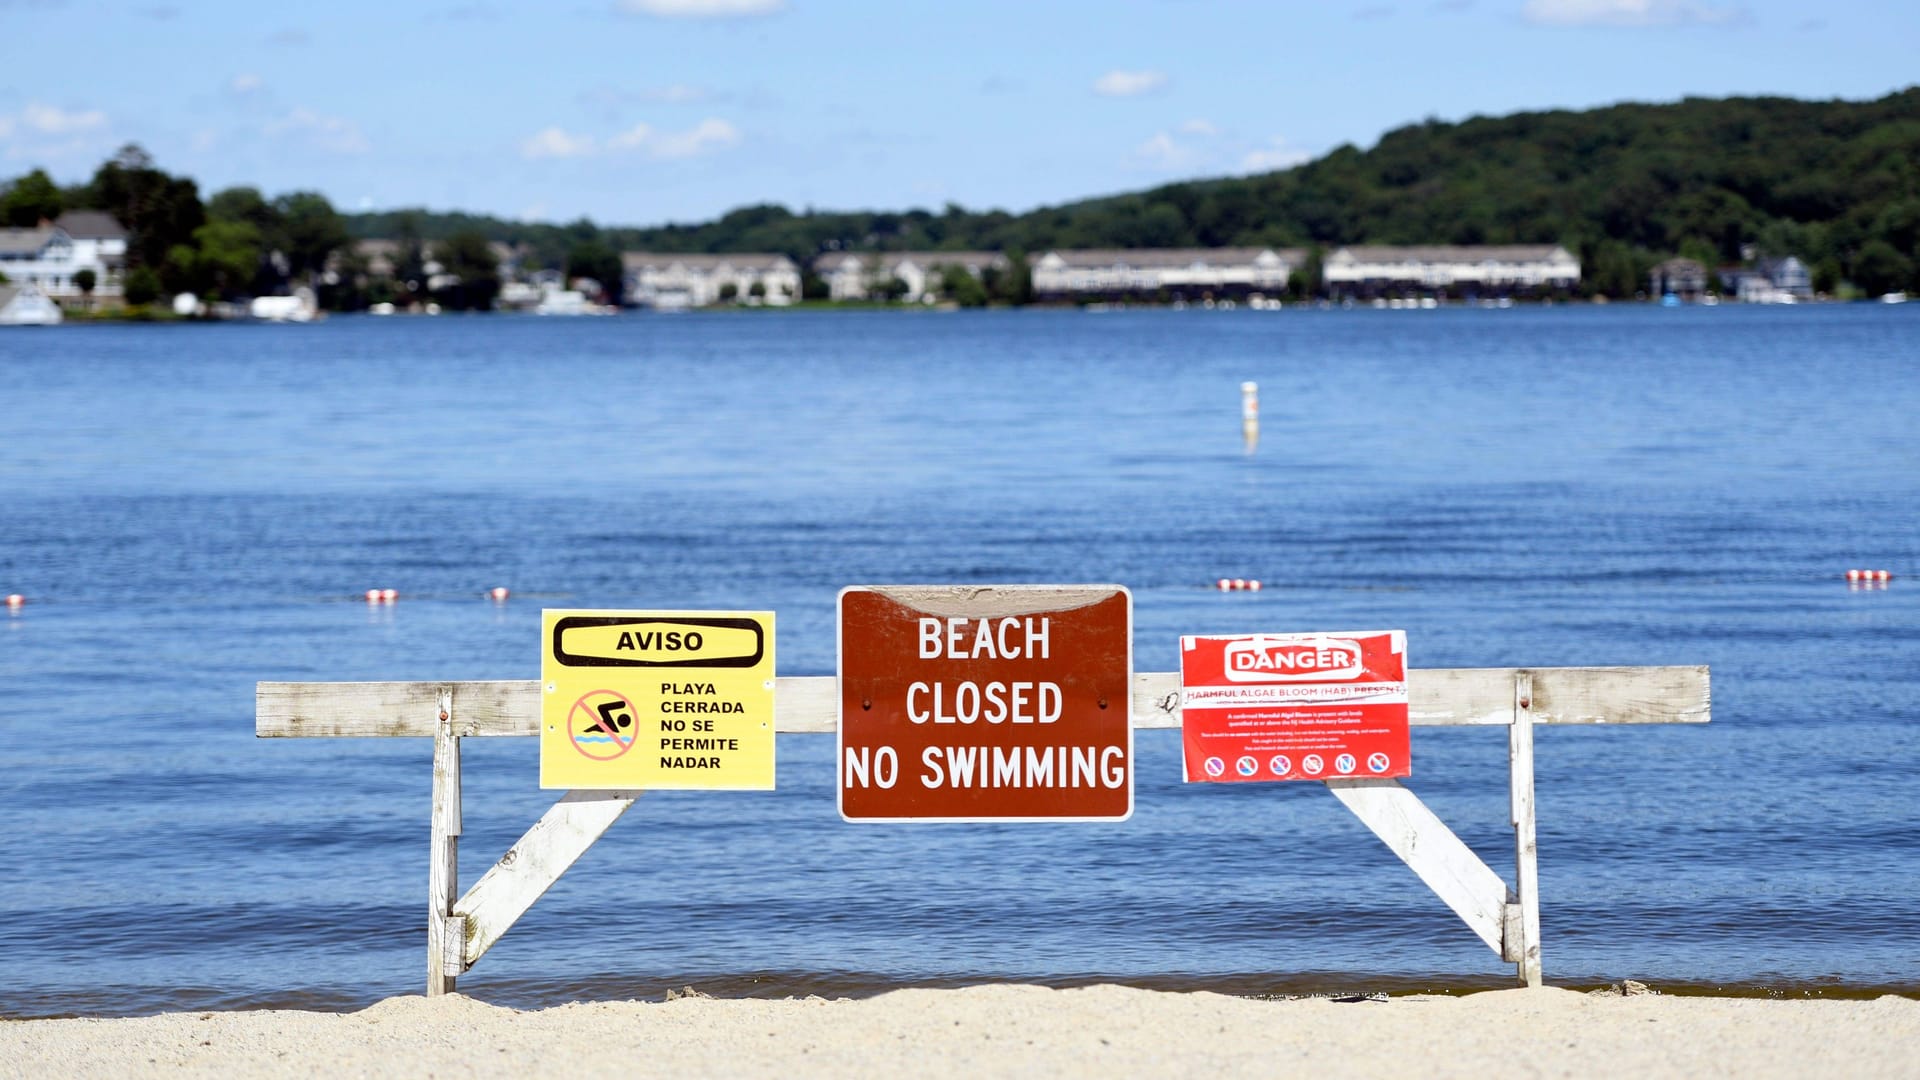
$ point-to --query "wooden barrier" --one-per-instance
(462, 927)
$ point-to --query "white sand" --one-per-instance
(1102, 1031)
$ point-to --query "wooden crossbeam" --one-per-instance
(1438, 697)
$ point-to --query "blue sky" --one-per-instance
(646, 111)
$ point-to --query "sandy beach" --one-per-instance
(1003, 1030)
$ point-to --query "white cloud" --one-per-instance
(40, 132)
(702, 9)
(246, 83)
(1119, 83)
(1163, 151)
(1629, 12)
(1198, 126)
(555, 143)
(1276, 154)
(708, 136)
(633, 138)
(329, 133)
(705, 137)
(675, 94)
(53, 120)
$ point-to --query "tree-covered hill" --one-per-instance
(1834, 182)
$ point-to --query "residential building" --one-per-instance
(1683, 278)
(51, 255)
(25, 305)
(1769, 281)
(863, 275)
(1372, 269)
(99, 244)
(1181, 273)
(680, 281)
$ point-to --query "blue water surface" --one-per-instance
(193, 509)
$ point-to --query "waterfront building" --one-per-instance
(680, 281)
(1367, 270)
(1175, 273)
(1682, 278)
(1770, 281)
(50, 255)
(865, 275)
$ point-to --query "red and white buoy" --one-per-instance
(388, 596)
(15, 601)
(499, 594)
(373, 596)
(1237, 584)
(1224, 584)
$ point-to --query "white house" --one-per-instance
(26, 305)
(681, 281)
(1187, 271)
(1372, 268)
(1771, 281)
(858, 276)
(99, 244)
(51, 255)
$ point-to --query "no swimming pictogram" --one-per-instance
(600, 724)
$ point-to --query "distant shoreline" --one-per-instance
(157, 317)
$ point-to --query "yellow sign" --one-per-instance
(657, 699)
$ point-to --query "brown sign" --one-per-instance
(985, 703)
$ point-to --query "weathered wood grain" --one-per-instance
(443, 866)
(1431, 850)
(533, 864)
(1526, 958)
(1440, 697)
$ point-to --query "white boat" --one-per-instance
(299, 307)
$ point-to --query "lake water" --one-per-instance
(192, 509)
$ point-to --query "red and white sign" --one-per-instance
(1294, 706)
(985, 703)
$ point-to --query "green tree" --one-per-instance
(1879, 268)
(245, 204)
(311, 230)
(85, 279)
(29, 200)
(1015, 285)
(226, 256)
(158, 210)
(409, 259)
(594, 259)
(469, 260)
(729, 292)
(962, 287)
(143, 286)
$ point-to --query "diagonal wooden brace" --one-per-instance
(532, 865)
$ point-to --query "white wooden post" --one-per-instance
(1526, 853)
(445, 933)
